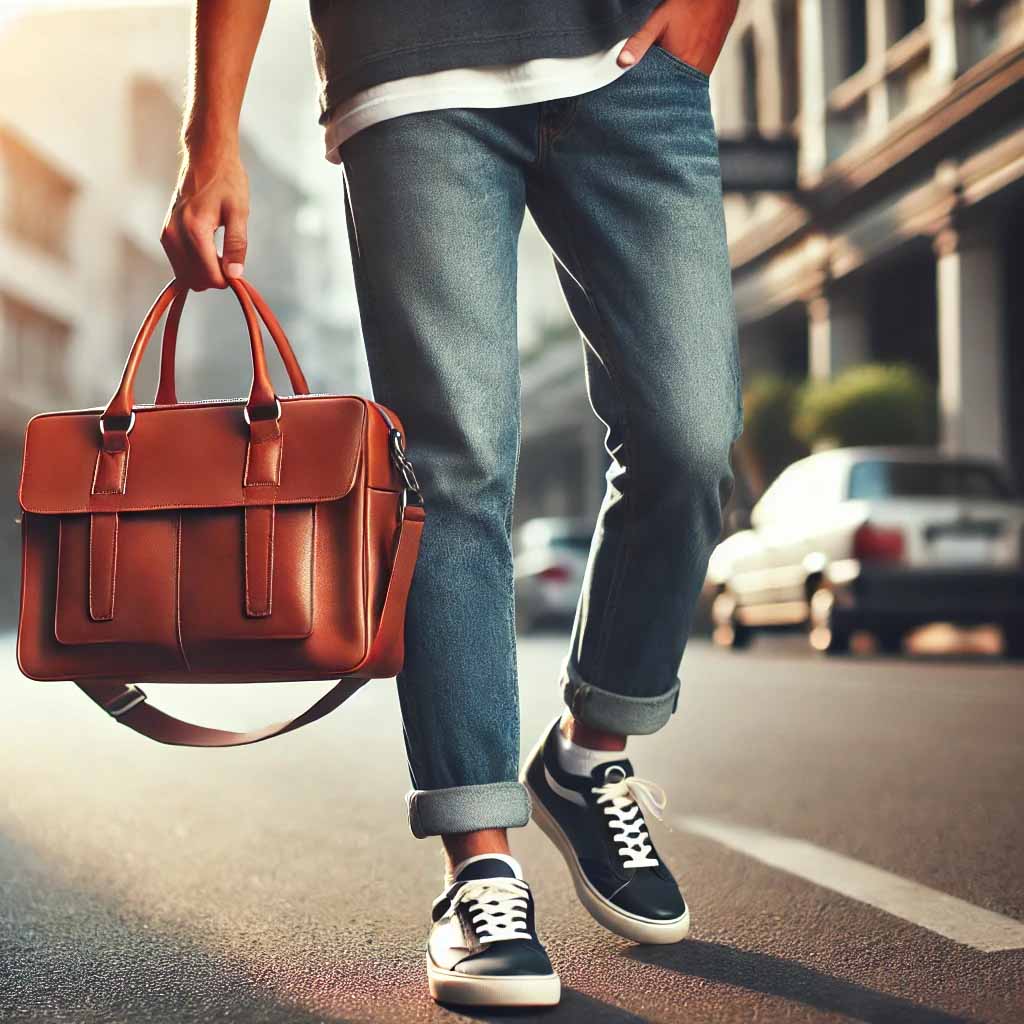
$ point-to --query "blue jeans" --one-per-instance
(624, 184)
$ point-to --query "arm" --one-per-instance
(693, 30)
(212, 186)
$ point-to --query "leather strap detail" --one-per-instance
(166, 392)
(259, 560)
(102, 565)
(116, 421)
(264, 455)
(128, 704)
(110, 475)
(389, 643)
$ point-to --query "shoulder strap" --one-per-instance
(128, 704)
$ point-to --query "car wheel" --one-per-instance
(890, 641)
(826, 635)
(727, 630)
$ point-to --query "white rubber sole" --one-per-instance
(500, 990)
(629, 926)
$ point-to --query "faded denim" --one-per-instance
(624, 184)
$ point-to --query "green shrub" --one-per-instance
(867, 405)
(768, 442)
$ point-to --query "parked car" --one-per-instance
(884, 539)
(550, 557)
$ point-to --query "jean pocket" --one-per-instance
(681, 65)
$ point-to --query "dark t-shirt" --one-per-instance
(359, 43)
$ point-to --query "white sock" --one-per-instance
(506, 857)
(577, 760)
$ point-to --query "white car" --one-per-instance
(550, 555)
(884, 539)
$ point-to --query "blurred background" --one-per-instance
(873, 159)
(848, 830)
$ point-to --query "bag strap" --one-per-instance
(118, 417)
(128, 704)
(166, 392)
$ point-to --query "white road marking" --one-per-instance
(937, 911)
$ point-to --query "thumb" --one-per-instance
(235, 241)
(640, 42)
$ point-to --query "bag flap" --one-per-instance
(193, 456)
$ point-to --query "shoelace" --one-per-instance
(626, 798)
(497, 907)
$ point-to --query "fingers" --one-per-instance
(188, 240)
(235, 240)
(640, 42)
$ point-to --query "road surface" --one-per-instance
(850, 836)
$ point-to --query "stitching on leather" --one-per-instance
(266, 604)
(108, 612)
(304, 499)
(122, 456)
(177, 598)
(270, 563)
(276, 482)
(312, 571)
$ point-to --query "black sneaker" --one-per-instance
(483, 948)
(598, 825)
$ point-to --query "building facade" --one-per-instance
(901, 243)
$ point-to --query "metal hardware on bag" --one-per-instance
(127, 430)
(404, 466)
(124, 702)
(276, 416)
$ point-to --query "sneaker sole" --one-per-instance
(497, 990)
(629, 926)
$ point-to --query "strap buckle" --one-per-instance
(248, 417)
(124, 425)
(405, 468)
(130, 697)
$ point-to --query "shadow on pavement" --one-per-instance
(70, 957)
(771, 975)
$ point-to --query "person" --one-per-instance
(450, 121)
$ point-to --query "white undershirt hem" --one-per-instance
(499, 85)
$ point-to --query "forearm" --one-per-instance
(224, 39)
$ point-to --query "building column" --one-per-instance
(837, 331)
(818, 35)
(944, 26)
(972, 329)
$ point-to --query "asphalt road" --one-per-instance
(280, 883)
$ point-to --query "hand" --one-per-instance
(692, 30)
(213, 191)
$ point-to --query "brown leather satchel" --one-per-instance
(240, 541)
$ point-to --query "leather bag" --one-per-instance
(259, 540)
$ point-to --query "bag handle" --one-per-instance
(166, 392)
(118, 417)
(128, 704)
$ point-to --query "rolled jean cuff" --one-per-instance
(616, 712)
(442, 812)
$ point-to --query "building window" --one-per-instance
(855, 36)
(36, 200)
(906, 15)
(33, 350)
(988, 24)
